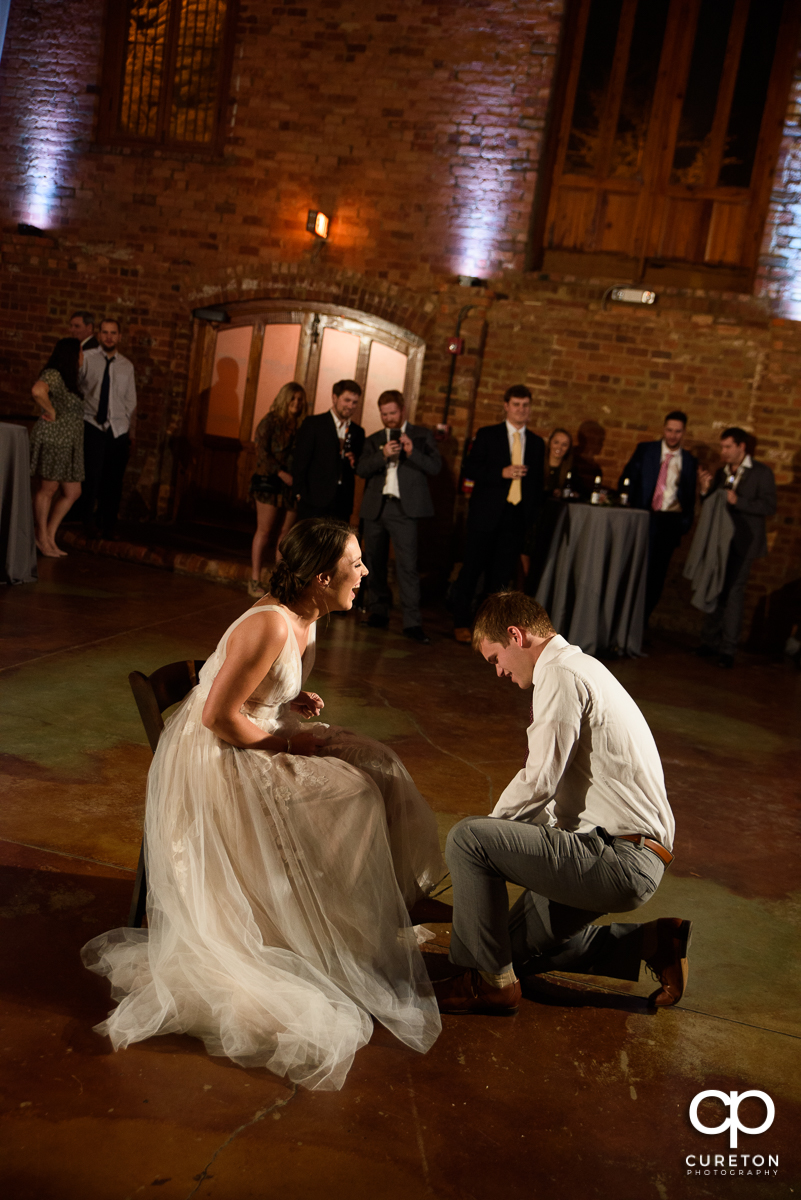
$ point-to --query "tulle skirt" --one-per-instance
(278, 890)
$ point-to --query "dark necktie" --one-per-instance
(105, 388)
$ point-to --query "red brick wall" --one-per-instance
(418, 125)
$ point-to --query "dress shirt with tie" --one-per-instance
(670, 496)
(517, 453)
(122, 390)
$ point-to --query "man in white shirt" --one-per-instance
(109, 393)
(585, 827)
(396, 463)
(662, 479)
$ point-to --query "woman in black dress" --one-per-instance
(558, 467)
(271, 485)
(57, 443)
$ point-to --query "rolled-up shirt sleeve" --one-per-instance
(560, 701)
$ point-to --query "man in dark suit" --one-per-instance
(661, 478)
(327, 449)
(82, 326)
(751, 494)
(396, 462)
(506, 466)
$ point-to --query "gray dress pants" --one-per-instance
(571, 880)
(722, 627)
(392, 523)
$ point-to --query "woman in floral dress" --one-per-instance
(57, 443)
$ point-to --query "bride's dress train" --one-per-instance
(278, 889)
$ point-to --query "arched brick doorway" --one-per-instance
(237, 369)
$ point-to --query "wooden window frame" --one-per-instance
(644, 265)
(111, 86)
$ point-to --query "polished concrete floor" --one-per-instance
(586, 1093)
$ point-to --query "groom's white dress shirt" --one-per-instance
(592, 759)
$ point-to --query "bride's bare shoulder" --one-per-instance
(265, 631)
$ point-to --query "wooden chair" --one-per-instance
(154, 694)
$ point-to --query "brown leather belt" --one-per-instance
(639, 839)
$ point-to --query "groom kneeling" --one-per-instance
(585, 827)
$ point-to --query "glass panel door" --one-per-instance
(339, 356)
(228, 379)
(387, 370)
(278, 358)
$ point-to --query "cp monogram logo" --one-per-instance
(733, 1101)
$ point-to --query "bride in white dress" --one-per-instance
(282, 859)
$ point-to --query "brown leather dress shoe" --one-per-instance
(469, 993)
(463, 635)
(669, 960)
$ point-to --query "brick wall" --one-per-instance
(418, 126)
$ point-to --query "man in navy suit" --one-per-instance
(661, 478)
(326, 452)
(506, 464)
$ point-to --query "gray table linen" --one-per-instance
(17, 547)
(593, 583)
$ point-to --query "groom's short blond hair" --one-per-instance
(503, 609)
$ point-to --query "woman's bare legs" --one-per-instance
(59, 509)
(266, 519)
(42, 500)
(289, 520)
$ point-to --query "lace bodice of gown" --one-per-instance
(268, 704)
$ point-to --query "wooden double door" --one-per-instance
(238, 369)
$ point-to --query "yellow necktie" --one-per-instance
(515, 493)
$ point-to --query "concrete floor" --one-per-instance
(585, 1093)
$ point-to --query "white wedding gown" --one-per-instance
(278, 890)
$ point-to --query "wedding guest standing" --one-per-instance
(662, 480)
(57, 443)
(272, 486)
(327, 450)
(82, 326)
(506, 464)
(396, 463)
(558, 465)
(109, 391)
(751, 497)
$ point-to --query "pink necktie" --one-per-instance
(659, 490)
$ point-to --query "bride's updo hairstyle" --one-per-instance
(310, 548)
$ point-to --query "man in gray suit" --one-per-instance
(395, 462)
(751, 496)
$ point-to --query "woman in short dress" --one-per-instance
(57, 443)
(271, 485)
(282, 859)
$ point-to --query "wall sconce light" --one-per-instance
(317, 223)
(471, 281)
(30, 230)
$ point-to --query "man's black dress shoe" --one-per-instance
(417, 634)
(704, 651)
(377, 621)
(726, 661)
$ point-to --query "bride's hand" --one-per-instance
(308, 704)
(304, 743)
